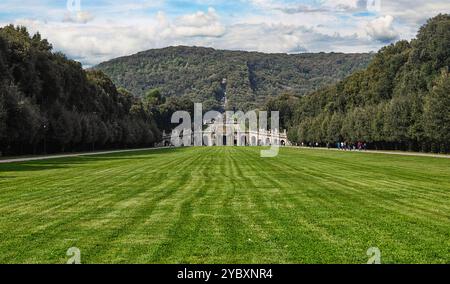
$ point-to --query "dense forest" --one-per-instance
(50, 104)
(401, 101)
(247, 78)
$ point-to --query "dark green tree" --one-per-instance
(437, 112)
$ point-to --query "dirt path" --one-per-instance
(415, 154)
(37, 158)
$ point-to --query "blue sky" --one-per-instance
(92, 31)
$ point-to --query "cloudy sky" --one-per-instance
(92, 31)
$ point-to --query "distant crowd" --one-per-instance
(361, 146)
(344, 146)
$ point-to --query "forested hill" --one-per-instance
(401, 101)
(250, 77)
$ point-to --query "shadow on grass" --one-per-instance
(72, 162)
(34, 166)
(7, 177)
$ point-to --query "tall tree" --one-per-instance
(437, 112)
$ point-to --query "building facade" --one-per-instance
(233, 134)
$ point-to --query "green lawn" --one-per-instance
(226, 205)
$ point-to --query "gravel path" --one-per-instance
(415, 154)
(37, 158)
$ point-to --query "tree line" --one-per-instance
(48, 103)
(400, 102)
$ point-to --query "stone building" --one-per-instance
(232, 134)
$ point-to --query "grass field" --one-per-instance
(226, 205)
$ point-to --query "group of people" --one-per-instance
(345, 146)
(352, 146)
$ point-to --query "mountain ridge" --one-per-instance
(251, 77)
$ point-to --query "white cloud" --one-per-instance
(82, 17)
(343, 4)
(288, 8)
(197, 24)
(91, 43)
(382, 29)
(263, 37)
(414, 12)
(331, 6)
